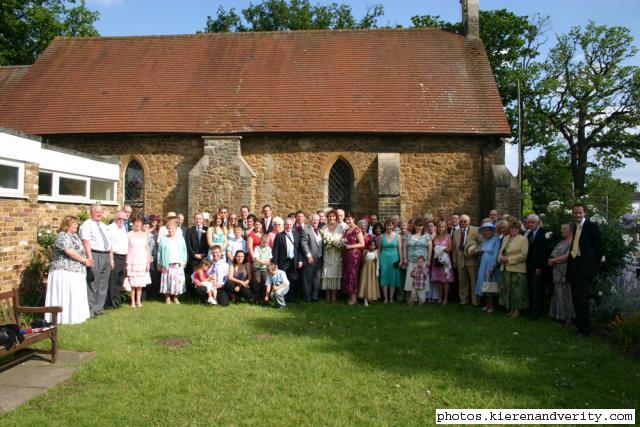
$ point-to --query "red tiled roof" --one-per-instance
(10, 75)
(417, 80)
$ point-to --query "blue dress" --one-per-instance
(389, 275)
(488, 261)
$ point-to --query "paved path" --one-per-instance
(32, 378)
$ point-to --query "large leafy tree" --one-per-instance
(589, 95)
(281, 15)
(28, 26)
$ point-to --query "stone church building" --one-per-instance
(384, 120)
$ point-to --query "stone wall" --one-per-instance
(190, 173)
(165, 159)
(435, 171)
(21, 220)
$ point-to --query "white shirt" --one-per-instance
(221, 271)
(289, 239)
(90, 230)
(118, 238)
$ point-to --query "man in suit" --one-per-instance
(223, 212)
(536, 261)
(298, 229)
(267, 225)
(243, 221)
(582, 265)
(454, 222)
(196, 240)
(286, 255)
(311, 245)
(466, 264)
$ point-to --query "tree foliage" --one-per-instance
(551, 180)
(282, 15)
(28, 26)
(590, 97)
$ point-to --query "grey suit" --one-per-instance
(312, 273)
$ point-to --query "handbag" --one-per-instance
(90, 276)
(490, 287)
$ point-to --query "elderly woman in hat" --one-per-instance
(488, 272)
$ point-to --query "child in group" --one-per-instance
(236, 244)
(420, 276)
(261, 259)
(202, 278)
(368, 287)
(277, 285)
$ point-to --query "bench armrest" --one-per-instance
(51, 309)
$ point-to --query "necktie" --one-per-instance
(315, 230)
(462, 236)
(104, 238)
(576, 242)
(199, 233)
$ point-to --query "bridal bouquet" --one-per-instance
(332, 241)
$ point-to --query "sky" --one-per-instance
(145, 17)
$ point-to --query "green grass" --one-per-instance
(324, 365)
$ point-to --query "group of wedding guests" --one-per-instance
(227, 256)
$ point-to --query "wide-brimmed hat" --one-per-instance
(486, 225)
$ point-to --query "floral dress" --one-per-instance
(352, 258)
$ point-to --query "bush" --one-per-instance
(33, 286)
(626, 332)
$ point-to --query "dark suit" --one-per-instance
(195, 247)
(582, 269)
(312, 273)
(281, 259)
(266, 229)
(536, 259)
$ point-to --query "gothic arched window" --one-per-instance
(134, 185)
(340, 180)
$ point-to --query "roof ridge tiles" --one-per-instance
(262, 33)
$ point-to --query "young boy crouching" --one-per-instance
(277, 285)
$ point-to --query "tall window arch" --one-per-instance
(134, 185)
(340, 183)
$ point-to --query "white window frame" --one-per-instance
(86, 199)
(11, 192)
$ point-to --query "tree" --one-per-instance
(282, 15)
(611, 197)
(28, 26)
(550, 178)
(591, 98)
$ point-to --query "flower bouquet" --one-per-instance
(333, 241)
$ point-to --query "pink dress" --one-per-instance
(351, 262)
(442, 273)
(137, 259)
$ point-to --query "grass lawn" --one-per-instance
(316, 364)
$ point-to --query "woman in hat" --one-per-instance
(488, 271)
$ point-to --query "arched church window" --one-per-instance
(340, 181)
(134, 185)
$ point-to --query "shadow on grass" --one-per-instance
(537, 363)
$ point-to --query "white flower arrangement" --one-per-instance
(568, 211)
(332, 240)
(548, 235)
(555, 205)
(598, 219)
(627, 239)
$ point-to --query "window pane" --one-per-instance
(45, 184)
(102, 190)
(72, 187)
(9, 177)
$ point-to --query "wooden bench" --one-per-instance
(10, 311)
